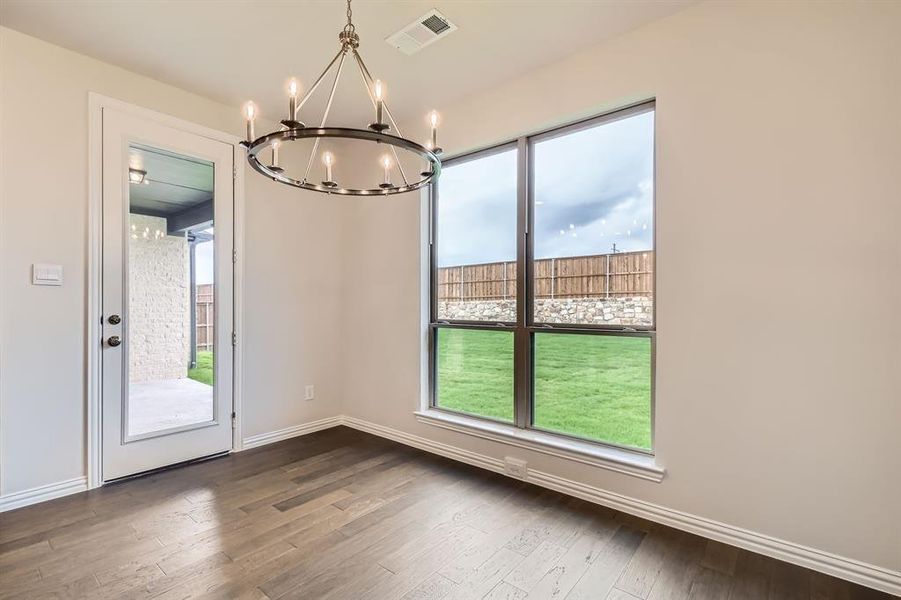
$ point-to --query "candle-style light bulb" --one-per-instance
(329, 159)
(379, 93)
(433, 121)
(250, 114)
(293, 89)
(386, 163)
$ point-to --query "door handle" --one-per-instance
(114, 340)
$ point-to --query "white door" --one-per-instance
(168, 232)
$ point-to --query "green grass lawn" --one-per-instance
(204, 370)
(596, 387)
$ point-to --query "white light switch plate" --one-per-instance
(46, 274)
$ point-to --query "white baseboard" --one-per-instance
(466, 456)
(290, 432)
(43, 493)
(838, 566)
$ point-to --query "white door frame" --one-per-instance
(96, 104)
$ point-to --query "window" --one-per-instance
(542, 312)
(478, 192)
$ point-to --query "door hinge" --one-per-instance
(234, 339)
(234, 172)
(234, 255)
(234, 419)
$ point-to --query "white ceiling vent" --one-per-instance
(425, 30)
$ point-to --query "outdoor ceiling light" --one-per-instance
(292, 130)
(137, 176)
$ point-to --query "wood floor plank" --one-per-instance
(618, 594)
(481, 580)
(527, 573)
(435, 587)
(789, 582)
(642, 571)
(752, 576)
(506, 591)
(709, 584)
(416, 562)
(681, 568)
(341, 514)
(824, 587)
(720, 557)
(560, 579)
(378, 538)
(603, 573)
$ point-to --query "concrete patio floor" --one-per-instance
(158, 405)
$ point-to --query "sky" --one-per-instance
(593, 188)
(204, 261)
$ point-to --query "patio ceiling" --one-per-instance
(179, 188)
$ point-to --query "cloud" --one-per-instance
(592, 188)
(477, 211)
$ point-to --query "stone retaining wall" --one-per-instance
(632, 310)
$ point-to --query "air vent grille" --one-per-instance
(436, 24)
(425, 30)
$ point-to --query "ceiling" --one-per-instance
(236, 50)
(179, 188)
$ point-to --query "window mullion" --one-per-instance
(522, 359)
(433, 267)
(433, 294)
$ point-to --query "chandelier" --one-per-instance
(263, 151)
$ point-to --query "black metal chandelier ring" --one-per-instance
(255, 147)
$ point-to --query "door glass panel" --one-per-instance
(170, 308)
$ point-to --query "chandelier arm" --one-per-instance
(367, 83)
(317, 82)
(328, 108)
(384, 104)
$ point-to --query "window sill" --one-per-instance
(605, 457)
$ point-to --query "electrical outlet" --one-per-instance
(515, 467)
(309, 393)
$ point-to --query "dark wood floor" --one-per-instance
(342, 514)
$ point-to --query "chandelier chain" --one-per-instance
(349, 28)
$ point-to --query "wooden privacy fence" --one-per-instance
(598, 276)
(205, 316)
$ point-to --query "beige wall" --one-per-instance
(291, 295)
(778, 153)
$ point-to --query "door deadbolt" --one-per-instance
(114, 319)
(113, 340)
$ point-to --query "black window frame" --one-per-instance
(525, 327)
